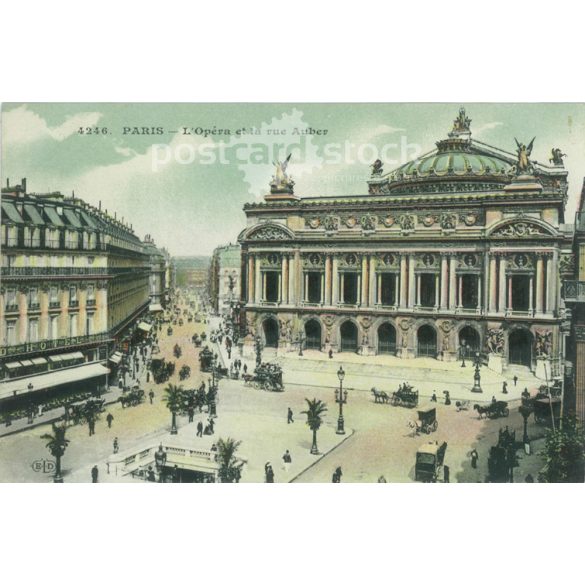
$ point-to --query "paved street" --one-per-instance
(378, 442)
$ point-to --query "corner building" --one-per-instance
(456, 252)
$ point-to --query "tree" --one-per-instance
(315, 410)
(57, 444)
(564, 453)
(230, 467)
(174, 399)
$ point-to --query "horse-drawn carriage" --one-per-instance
(495, 409)
(427, 421)
(547, 408)
(267, 376)
(206, 359)
(184, 372)
(430, 458)
(132, 397)
(76, 412)
(161, 370)
(405, 396)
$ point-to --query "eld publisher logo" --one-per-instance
(43, 466)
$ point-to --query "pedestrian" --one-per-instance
(330, 354)
(289, 416)
(529, 479)
(245, 369)
(474, 457)
(200, 429)
(494, 400)
(269, 474)
(148, 377)
(91, 427)
(116, 445)
(287, 460)
(176, 474)
(434, 397)
(504, 387)
(447, 398)
(515, 378)
(94, 474)
(110, 419)
(446, 474)
(191, 413)
(150, 474)
(211, 425)
(336, 478)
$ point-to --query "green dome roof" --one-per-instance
(453, 157)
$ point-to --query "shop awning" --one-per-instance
(38, 361)
(155, 307)
(76, 355)
(54, 358)
(144, 326)
(52, 379)
(116, 357)
(26, 363)
(13, 365)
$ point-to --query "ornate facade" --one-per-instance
(454, 253)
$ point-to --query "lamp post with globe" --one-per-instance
(341, 399)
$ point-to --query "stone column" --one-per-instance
(251, 277)
(403, 277)
(284, 287)
(460, 292)
(479, 295)
(493, 282)
(502, 277)
(335, 283)
(258, 281)
(359, 288)
(291, 281)
(453, 282)
(379, 289)
(342, 288)
(510, 303)
(298, 276)
(372, 279)
(411, 281)
(396, 284)
(444, 283)
(436, 291)
(551, 297)
(364, 300)
(322, 278)
(327, 299)
(418, 285)
(539, 284)
(531, 295)
(305, 287)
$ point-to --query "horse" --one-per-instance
(377, 395)
(481, 410)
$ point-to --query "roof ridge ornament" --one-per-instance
(461, 125)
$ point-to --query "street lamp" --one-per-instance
(525, 410)
(301, 341)
(258, 351)
(476, 375)
(341, 399)
(463, 351)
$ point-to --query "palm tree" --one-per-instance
(315, 410)
(56, 444)
(174, 399)
(230, 467)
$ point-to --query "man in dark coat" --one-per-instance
(110, 418)
(289, 416)
(94, 474)
(199, 429)
(474, 457)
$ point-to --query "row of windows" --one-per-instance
(33, 299)
(33, 331)
(32, 237)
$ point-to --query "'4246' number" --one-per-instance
(86, 130)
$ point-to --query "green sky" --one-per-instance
(188, 190)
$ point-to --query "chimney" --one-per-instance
(100, 207)
(7, 183)
(23, 185)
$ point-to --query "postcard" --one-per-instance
(269, 293)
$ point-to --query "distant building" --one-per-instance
(574, 295)
(75, 281)
(224, 277)
(160, 275)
